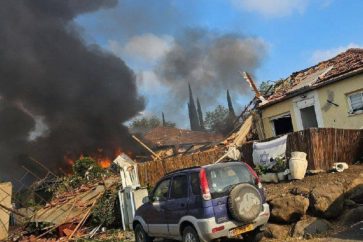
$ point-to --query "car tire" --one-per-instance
(141, 235)
(190, 235)
(244, 203)
(253, 236)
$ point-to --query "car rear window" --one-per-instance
(222, 177)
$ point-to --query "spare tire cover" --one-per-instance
(244, 203)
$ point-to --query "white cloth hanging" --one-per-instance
(264, 153)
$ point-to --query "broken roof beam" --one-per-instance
(252, 84)
(146, 147)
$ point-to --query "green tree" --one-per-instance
(144, 124)
(86, 166)
(265, 87)
(219, 120)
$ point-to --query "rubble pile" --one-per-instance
(83, 204)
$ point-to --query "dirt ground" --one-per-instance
(338, 233)
(311, 181)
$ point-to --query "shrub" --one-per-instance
(87, 166)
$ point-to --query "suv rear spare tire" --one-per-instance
(244, 203)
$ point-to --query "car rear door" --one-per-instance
(176, 206)
(155, 216)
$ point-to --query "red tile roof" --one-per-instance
(166, 136)
(350, 61)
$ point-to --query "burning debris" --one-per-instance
(81, 201)
(59, 96)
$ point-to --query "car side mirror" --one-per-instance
(146, 199)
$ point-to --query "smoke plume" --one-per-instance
(211, 62)
(81, 94)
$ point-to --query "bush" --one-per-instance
(107, 211)
(87, 166)
(260, 169)
(280, 165)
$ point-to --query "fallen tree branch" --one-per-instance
(13, 211)
(86, 215)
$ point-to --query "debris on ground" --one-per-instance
(318, 206)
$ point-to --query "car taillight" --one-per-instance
(217, 229)
(254, 174)
(204, 185)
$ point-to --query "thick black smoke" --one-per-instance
(211, 62)
(82, 93)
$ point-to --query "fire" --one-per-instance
(105, 163)
(69, 160)
(103, 158)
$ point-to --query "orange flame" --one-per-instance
(105, 163)
(103, 159)
(68, 160)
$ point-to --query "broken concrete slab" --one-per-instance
(328, 200)
(277, 231)
(289, 208)
(352, 216)
(310, 226)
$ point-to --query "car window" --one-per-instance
(224, 176)
(161, 191)
(194, 180)
(179, 187)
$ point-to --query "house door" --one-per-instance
(308, 117)
(307, 113)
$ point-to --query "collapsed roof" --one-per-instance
(167, 136)
(341, 66)
(71, 207)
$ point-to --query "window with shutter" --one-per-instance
(356, 102)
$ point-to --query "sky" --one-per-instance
(272, 39)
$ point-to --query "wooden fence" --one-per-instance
(323, 146)
(150, 172)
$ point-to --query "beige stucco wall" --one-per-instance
(338, 117)
(5, 200)
(332, 116)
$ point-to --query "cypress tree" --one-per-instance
(200, 115)
(163, 118)
(230, 105)
(193, 115)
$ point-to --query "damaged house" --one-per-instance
(326, 95)
(168, 141)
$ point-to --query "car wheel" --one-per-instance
(190, 235)
(141, 235)
(253, 236)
